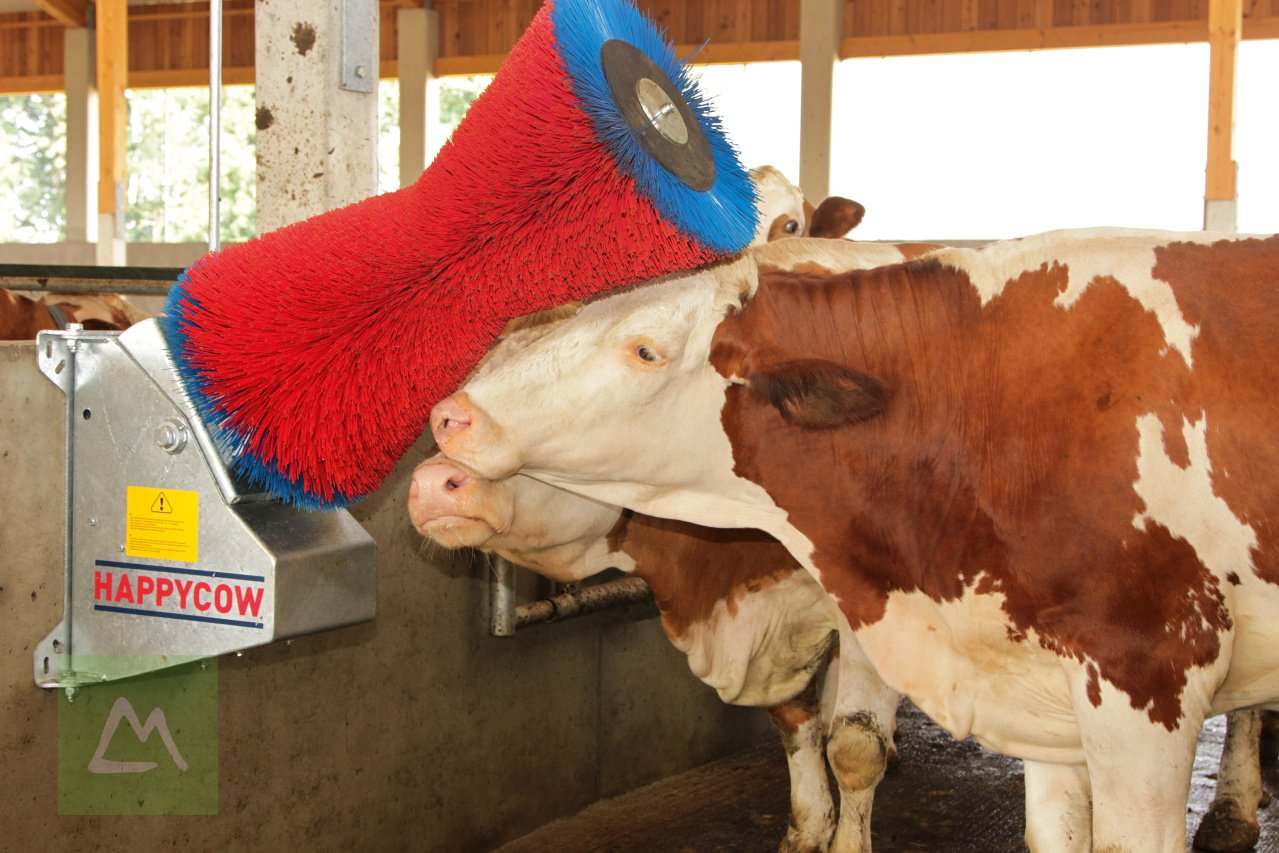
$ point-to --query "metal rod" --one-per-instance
(501, 597)
(146, 281)
(215, 124)
(68, 540)
(582, 601)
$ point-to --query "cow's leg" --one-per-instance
(812, 813)
(863, 720)
(1231, 821)
(1139, 769)
(1058, 808)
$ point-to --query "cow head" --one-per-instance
(633, 368)
(557, 534)
(624, 402)
(784, 212)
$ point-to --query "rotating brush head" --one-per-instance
(315, 353)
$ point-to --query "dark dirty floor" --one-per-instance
(942, 796)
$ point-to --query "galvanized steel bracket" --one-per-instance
(168, 557)
(359, 45)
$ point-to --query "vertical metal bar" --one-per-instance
(501, 597)
(68, 540)
(215, 124)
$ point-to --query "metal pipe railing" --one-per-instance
(506, 617)
(138, 281)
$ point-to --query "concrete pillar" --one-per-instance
(316, 107)
(821, 25)
(417, 47)
(80, 69)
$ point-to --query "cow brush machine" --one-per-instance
(315, 353)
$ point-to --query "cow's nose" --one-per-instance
(450, 417)
(434, 490)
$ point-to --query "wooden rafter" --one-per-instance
(73, 13)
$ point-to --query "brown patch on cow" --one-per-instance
(617, 535)
(1233, 578)
(264, 118)
(912, 251)
(785, 226)
(21, 318)
(1228, 289)
(303, 37)
(1093, 686)
(789, 716)
(673, 558)
(992, 468)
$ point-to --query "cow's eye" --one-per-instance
(648, 354)
(792, 226)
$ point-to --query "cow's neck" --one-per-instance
(909, 326)
(692, 568)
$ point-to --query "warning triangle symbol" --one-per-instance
(161, 504)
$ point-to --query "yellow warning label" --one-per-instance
(162, 523)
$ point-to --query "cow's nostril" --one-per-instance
(457, 482)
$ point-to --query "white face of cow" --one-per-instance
(560, 535)
(778, 199)
(620, 404)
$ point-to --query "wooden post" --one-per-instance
(1225, 23)
(112, 25)
(821, 25)
(418, 45)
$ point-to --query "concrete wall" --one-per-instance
(82, 254)
(417, 731)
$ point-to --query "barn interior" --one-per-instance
(436, 725)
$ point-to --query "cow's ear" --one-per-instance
(819, 393)
(835, 217)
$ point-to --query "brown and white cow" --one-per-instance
(750, 620)
(1037, 479)
(784, 212)
(21, 317)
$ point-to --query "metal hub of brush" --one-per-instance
(657, 114)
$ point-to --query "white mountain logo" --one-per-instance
(123, 709)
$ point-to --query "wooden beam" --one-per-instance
(72, 13)
(113, 112)
(30, 85)
(182, 77)
(985, 41)
(725, 53)
(1225, 25)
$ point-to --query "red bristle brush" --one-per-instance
(316, 352)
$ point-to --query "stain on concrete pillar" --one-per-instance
(303, 38)
(265, 118)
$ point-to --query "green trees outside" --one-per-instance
(168, 160)
(168, 165)
(33, 168)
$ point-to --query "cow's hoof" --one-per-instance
(794, 842)
(1225, 829)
